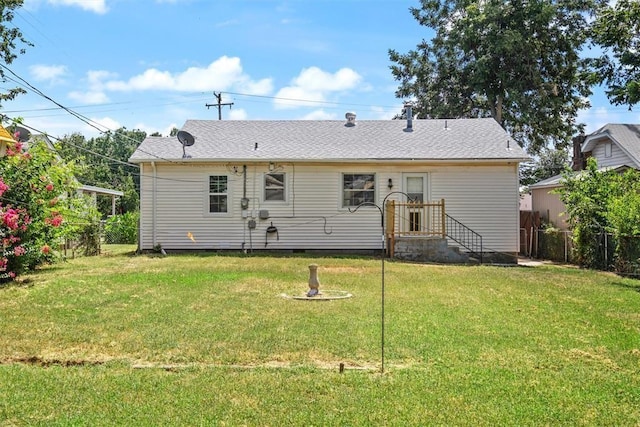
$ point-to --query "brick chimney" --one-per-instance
(579, 160)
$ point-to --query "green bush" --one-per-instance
(555, 245)
(122, 229)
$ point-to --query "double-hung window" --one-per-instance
(358, 188)
(275, 187)
(218, 194)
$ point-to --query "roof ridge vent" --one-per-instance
(351, 119)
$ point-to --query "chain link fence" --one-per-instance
(611, 253)
(120, 229)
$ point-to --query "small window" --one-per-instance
(358, 188)
(415, 189)
(607, 149)
(274, 187)
(218, 193)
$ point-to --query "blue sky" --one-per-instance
(153, 64)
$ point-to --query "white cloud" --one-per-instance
(315, 79)
(379, 113)
(31, 5)
(150, 79)
(238, 114)
(166, 131)
(96, 78)
(319, 115)
(222, 74)
(260, 87)
(105, 124)
(97, 6)
(314, 84)
(95, 93)
(91, 97)
(293, 97)
(56, 127)
(47, 73)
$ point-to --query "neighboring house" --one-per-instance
(614, 146)
(92, 191)
(547, 203)
(293, 185)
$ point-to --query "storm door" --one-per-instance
(416, 216)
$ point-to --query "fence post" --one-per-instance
(606, 251)
(390, 209)
(443, 219)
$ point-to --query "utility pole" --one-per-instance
(219, 104)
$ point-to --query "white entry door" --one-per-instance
(415, 186)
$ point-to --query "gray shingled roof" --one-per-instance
(556, 181)
(331, 140)
(627, 136)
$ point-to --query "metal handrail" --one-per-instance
(464, 236)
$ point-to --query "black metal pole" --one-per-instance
(382, 256)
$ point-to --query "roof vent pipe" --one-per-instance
(409, 112)
(351, 119)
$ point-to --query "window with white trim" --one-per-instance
(275, 187)
(607, 149)
(358, 188)
(218, 193)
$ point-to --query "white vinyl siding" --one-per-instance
(550, 206)
(616, 157)
(483, 197)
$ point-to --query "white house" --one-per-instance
(294, 185)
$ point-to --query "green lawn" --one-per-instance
(207, 339)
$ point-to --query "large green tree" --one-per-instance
(518, 62)
(547, 164)
(617, 31)
(103, 163)
(10, 39)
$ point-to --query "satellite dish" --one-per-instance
(187, 140)
(22, 134)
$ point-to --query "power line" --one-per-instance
(200, 94)
(79, 116)
(68, 110)
(95, 153)
(112, 159)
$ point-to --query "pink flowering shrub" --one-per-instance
(34, 188)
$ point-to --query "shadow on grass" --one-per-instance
(262, 254)
(631, 286)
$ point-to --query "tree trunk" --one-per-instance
(497, 109)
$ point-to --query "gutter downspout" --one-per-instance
(153, 205)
